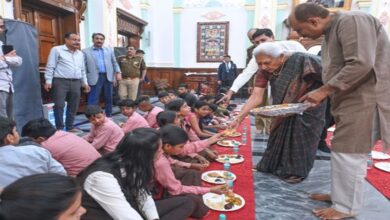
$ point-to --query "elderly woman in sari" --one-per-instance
(293, 139)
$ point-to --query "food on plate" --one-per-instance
(276, 107)
(217, 175)
(231, 132)
(214, 175)
(228, 206)
(225, 142)
(234, 200)
(229, 194)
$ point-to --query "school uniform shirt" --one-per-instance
(151, 116)
(104, 188)
(166, 178)
(18, 162)
(72, 151)
(192, 136)
(191, 131)
(133, 122)
(191, 149)
(105, 137)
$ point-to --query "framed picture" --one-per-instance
(332, 5)
(212, 41)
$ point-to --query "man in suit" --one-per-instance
(102, 71)
(227, 72)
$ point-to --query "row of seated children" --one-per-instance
(105, 131)
(76, 153)
(116, 184)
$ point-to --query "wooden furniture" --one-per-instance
(175, 76)
(130, 29)
(193, 81)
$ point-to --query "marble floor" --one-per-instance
(277, 200)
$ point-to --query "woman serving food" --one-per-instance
(293, 139)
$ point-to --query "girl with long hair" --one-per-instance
(117, 185)
(201, 109)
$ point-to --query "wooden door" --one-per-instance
(47, 25)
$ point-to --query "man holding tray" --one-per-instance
(355, 59)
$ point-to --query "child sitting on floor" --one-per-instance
(201, 109)
(143, 103)
(73, 152)
(182, 109)
(117, 186)
(173, 140)
(164, 97)
(191, 149)
(172, 94)
(134, 120)
(222, 110)
(211, 122)
(105, 134)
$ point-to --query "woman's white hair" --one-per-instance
(273, 49)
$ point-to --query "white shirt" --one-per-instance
(5, 71)
(104, 188)
(251, 69)
(64, 63)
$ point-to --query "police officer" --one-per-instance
(133, 72)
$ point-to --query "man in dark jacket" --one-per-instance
(227, 72)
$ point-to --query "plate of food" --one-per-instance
(228, 143)
(226, 202)
(379, 155)
(281, 110)
(233, 158)
(231, 133)
(385, 166)
(216, 176)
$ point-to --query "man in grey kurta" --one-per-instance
(356, 67)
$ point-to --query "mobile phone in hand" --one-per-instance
(7, 48)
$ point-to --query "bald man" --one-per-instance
(355, 60)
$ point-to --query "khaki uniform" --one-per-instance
(355, 59)
(132, 68)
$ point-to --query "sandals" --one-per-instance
(293, 179)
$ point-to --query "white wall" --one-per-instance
(7, 9)
(160, 24)
(237, 18)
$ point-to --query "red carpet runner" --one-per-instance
(378, 178)
(244, 182)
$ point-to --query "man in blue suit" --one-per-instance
(102, 71)
(227, 72)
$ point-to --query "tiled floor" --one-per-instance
(277, 200)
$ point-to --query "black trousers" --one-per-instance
(227, 84)
(177, 207)
(68, 90)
